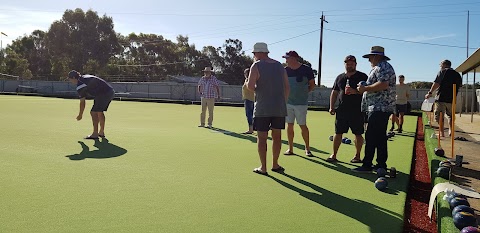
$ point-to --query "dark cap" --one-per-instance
(291, 54)
(350, 58)
(73, 74)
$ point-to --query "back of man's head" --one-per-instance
(447, 63)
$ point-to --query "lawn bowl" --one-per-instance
(464, 219)
(439, 152)
(470, 229)
(456, 201)
(381, 183)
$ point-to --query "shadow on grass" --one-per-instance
(377, 218)
(105, 150)
(249, 137)
(253, 139)
(394, 184)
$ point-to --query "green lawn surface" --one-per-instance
(443, 211)
(158, 172)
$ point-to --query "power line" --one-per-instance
(392, 39)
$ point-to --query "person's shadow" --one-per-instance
(377, 218)
(105, 150)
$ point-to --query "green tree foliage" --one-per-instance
(33, 49)
(420, 85)
(82, 36)
(234, 62)
(17, 65)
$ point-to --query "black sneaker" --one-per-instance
(392, 129)
(362, 170)
(400, 130)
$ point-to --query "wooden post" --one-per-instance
(440, 122)
(452, 127)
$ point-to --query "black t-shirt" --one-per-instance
(89, 85)
(446, 78)
(351, 103)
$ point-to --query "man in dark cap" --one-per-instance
(101, 91)
(348, 113)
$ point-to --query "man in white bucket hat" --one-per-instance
(269, 80)
(209, 91)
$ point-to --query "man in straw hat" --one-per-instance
(379, 103)
(269, 80)
(209, 91)
(444, 81)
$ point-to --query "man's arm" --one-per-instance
(434, 87)
(333, 99)
(218, 91)
(253, 77)
(286, 84)
(376, 87)
(82, 108)
(311, 85)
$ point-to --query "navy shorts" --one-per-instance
(101, 102)
(264, 124)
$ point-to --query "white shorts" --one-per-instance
(298, 112)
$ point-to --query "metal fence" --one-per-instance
(319, 97)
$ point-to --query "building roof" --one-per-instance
(471, 64)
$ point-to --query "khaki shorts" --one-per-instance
(444, 108)
(298, 112)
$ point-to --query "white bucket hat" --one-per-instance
(260, 47)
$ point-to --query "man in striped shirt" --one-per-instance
(101, 91)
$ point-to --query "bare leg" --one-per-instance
(276, 146)
(400, 120)
(358, 146)
(290, 135)
(95, 124)
(262, 149)
(306, 137)
(337, 140)
(394, 119)
(101, 119)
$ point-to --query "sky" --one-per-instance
(416, 35)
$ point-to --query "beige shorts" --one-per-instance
(444, 108)
(298, 112)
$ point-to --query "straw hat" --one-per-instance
(376, 50)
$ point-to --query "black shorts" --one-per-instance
(264, 124)
(344, 121)
(101, 102)
(400, 108)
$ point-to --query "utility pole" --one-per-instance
(319, 81)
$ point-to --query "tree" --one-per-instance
(234, 61)
(33, 49)
(16, 65)
(82, 36)
(420, 85)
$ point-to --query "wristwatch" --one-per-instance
(429, 92)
